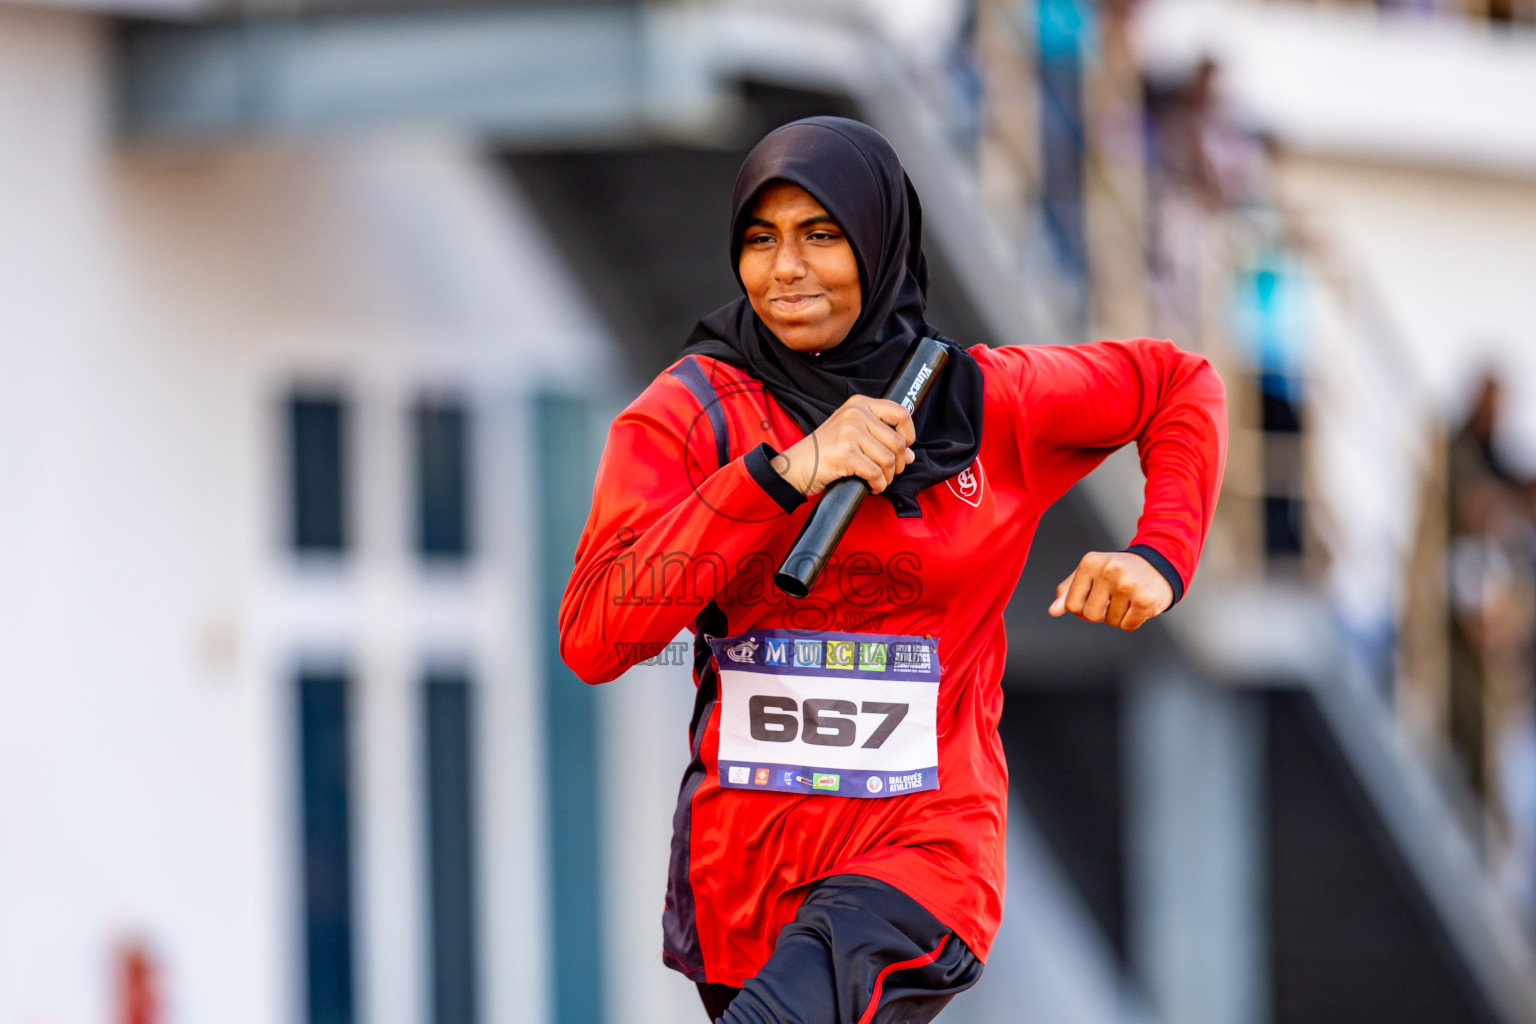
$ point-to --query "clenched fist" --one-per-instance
(1116, 587)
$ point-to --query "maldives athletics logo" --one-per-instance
(967, 483)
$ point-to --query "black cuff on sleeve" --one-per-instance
(1163, 566)
(779, 489)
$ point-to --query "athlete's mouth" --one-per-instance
(793, 303)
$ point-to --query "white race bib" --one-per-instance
(839, 714)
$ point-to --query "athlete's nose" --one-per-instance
(788, 263)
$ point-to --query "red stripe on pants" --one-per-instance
(874, 997)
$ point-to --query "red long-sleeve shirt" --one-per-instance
(672, 528)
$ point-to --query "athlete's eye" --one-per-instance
(760, 238)
(824, 236)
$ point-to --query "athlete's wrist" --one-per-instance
(795, 471)
(760, 463)
(1165, 568)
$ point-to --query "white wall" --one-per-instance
(106, 695)
(1453, 257)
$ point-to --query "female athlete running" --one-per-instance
(837, 851)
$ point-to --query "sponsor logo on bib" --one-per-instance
(873, 784)
(739, 774)
(911, 658)
(776, 652)
(821, 780)
(744, 652)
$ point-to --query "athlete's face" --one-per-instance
(798, 269)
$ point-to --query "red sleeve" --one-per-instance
(1074, 404)
(666, 532)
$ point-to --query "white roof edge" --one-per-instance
(1440, 93)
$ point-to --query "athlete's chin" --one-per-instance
(807, 337)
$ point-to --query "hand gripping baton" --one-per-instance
(830, 519)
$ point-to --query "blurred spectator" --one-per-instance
(1199, 146)
(1515, 870)
(1492, 599)
(1201, 163)
(1063, 30)
(1270, 334)
(1514, 867)
(1479, 476)
(1115, 193)
(1213, 229)
(964, 70)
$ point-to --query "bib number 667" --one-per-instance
(827, 723)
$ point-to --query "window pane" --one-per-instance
(327, 847)
(317, 438)
(442, 479)
(450, 822)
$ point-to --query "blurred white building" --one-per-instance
(266, 420)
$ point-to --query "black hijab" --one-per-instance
(853, 172)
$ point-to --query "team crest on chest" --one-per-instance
(967, 483)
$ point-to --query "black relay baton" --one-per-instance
(827, 524)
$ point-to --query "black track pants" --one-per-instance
(859, 951)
